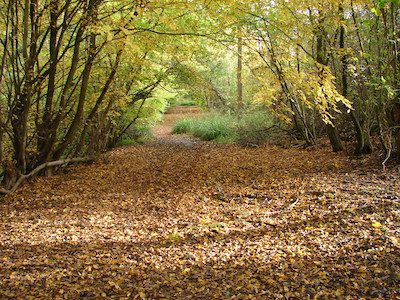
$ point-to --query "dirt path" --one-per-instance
(164, 220)
(163, 132)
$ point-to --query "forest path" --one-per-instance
(163, 132)
(163, 220)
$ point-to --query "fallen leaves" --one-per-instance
(376, 224)
(184, 221)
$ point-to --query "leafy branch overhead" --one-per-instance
(70, 72)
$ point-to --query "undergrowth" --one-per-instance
(182, 102)
(136, 135)
(250, 129)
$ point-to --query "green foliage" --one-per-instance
(208, 78)
(182, 100)
(187, 103)
(382, 3)
(126, 142)
(217, 127)
(136, 135)
(147, 115)
(226, 139)
(214, 127)
(183, 126)
(142, 133)
(251, 129)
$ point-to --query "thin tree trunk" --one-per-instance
(23, 99)
(360, 147)
(99, 101)
(1, 143)
(240, 104)
(44, 129)
(47, 150)
(321, 50)
(76, 122)
(119, 136)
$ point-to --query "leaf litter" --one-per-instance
(204, 221)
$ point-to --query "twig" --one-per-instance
(389, 150)
(285, 209)
(293, 204)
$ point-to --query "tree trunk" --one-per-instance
(1, 143)
(334, 138)
(361, 147)
(76, 122)
(46, 152)
(45, 129)
(321, 59)
(240, 104)
(396, 126)
(23, 98)
(99, 101)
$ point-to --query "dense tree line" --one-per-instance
(336, 58)
(75, 75)
(69, 72)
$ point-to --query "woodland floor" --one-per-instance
(182, 219)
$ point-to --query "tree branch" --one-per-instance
(46, 165)
(4, 191)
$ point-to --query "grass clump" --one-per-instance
(249, 130)
(182, 126)
(214, 127)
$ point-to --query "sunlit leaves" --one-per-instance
(180, 219)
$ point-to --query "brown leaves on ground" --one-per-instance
(203, 221)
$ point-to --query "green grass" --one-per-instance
(187, 103)
(183, 126)
(213, 127)
(136, 135)
(126, 142)
(209, 128)
(225, 129)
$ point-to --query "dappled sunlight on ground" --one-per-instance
(167, 220)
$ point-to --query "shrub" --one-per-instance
(182, 126)
(213, 127)
(136, 135)
(142, 133)
(126, 142)
(187, 103)
(253, 129)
